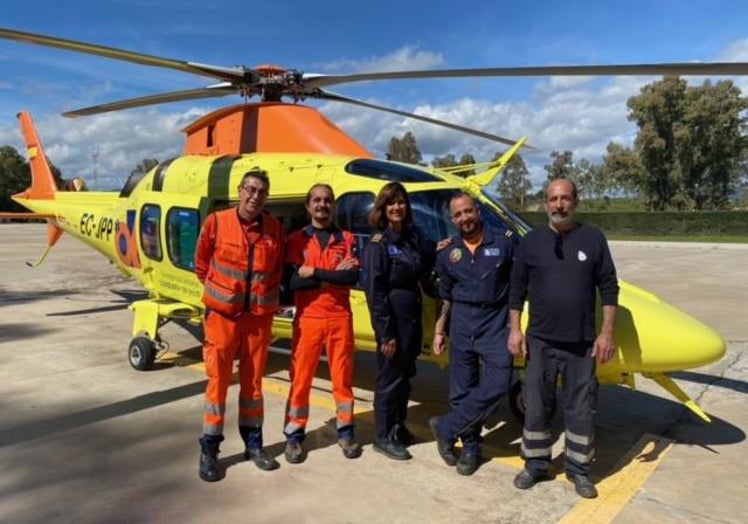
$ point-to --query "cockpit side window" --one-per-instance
(150, 231)
(182, 229)
(353, 215)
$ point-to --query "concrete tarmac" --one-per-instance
(85, 438)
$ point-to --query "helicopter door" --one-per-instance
(168, 228)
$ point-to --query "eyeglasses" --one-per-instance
(252, 191)
(558, 247)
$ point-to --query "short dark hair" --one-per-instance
(317, 186)
(259, 174)
(461, 194)
(387, 195)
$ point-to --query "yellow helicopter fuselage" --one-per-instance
(150, 228)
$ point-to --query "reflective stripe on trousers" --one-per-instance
(546, 360)
(310, 335)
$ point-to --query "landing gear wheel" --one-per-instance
(141, 353)
(517, 402)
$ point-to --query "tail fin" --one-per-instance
(488, 176)
(43, 185)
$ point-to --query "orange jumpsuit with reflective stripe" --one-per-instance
(323, 319)
(240, 265)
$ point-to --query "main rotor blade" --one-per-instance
(327, 95)
(222, 73)
(214, 91)
(682, 69)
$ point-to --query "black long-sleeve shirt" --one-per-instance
(559, 274)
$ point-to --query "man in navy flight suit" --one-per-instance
(474, 274)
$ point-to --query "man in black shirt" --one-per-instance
(559, 269)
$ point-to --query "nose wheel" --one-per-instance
(150, 316)
(141, 353)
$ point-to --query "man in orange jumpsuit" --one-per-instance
(321, 262)
(239, 259)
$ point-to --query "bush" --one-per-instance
(660, 223)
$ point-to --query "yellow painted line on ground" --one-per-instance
(615, 491)
(515, 461)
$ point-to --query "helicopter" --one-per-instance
(149, 228)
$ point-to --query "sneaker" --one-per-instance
(351, 448)
(391, 449)
(526, 480)
(261, 458)
(445, 449)
(468, 463)
(294, 452)
(583, 486)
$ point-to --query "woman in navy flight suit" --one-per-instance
(396, 258)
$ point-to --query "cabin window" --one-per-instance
(182, 230)
(150, 231)
(291, 213)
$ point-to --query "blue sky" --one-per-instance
(581, 115)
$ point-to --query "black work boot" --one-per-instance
(392, 449)
(261, 458)
(209, 470)
(445, 448)
(468, 462)
(403, 435)
(583, 485)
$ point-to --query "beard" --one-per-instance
(561, 218)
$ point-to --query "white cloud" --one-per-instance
(554, 116)
(735, 52)
(405, 58)
(119, 141)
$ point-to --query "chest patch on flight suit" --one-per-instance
(492, 252)
(393, 250)
(455, 255)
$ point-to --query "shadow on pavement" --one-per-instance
(50, 426)
(740, 386)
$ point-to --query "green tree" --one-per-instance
(450, 160)
(440, 162)
(691, 143)
(467, 160)
(514, 184)
(15, 176)
(623, 170)
(404, 149)
(562, 166)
